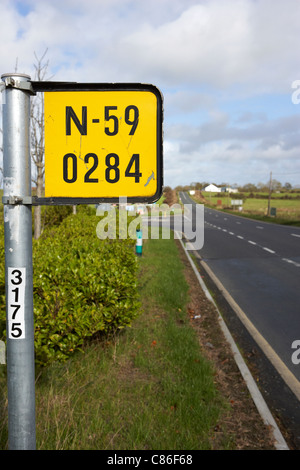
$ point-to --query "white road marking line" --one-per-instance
(295, 235)
(268, 249)
(252, 243)
(239, 236)
(231, 233)
(291, 262)
(258, 226)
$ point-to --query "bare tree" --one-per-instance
(37, 139)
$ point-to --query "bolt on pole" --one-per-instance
(18, 261)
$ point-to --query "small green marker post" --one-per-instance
(139, 242)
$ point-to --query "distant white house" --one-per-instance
(212, 188)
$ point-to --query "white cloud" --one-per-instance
(225, 68)
(219, 43)
(215, 162)
(237, 42)
(191, 48)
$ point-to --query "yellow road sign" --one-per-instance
(104, 144)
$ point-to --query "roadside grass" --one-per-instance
(148, 387)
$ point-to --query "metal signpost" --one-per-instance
(103, 142)
(18, 261)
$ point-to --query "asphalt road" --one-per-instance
(259, 265)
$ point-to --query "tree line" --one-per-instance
(249, 187)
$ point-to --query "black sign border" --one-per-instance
(53, 86)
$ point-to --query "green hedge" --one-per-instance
(82, 286)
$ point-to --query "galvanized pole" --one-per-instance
(18, 261)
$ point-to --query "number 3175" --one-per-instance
(16, 294)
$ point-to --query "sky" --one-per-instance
(228, 71)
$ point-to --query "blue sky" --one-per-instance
(225, 68)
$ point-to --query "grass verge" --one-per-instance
(150, 387)
(146, 388)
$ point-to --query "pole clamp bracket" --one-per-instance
(17, 200)
(24, 85)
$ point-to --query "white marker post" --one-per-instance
(18, 261)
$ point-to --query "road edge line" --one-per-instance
(262, 407)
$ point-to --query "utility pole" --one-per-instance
(270, 192)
